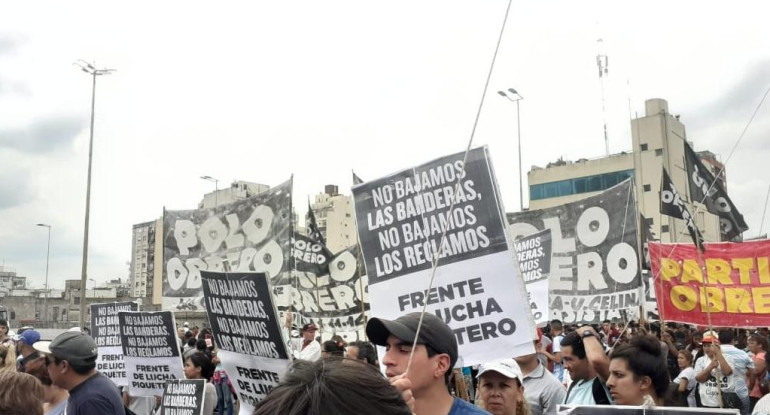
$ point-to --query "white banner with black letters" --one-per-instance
(150, 350)
(478, 290)
(106, 333)
(595, 261)
(247, 329)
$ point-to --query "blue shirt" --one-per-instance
(96, 396)
(461, 407)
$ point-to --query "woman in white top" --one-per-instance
(686, 378)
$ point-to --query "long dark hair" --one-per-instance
(199, 359)
(645, 358)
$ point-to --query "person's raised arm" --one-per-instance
(595, 351)
(724, 366)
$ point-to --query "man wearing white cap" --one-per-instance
(501, 389)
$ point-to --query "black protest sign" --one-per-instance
(309, 255)
(183, 397)
(252, 234)
(638, 410)
(105, 331)
(595, 264)
(335, 301)
(534, 255)
(150, 350)
(242, 314)
(401, 217)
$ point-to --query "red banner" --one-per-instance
(731, 280)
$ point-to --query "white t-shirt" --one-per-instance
(689, 374)
(311, 352)
(558, 367)
(709, 395)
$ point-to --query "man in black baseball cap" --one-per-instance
(71, 360)
(434, 357)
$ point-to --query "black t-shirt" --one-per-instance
(96, 396)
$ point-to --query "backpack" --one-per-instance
(597, 390)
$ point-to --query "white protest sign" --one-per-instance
(246, 328)
(400, 221)
(150, 350)
(106, 334)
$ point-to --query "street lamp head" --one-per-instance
(502, 94)
(513, 91)
(43, 224)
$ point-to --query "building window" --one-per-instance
(578, 185)
(647, 187)
(644, 147)
(664, 228)
(658, 151)
(649, 222)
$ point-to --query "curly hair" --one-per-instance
(644, 356)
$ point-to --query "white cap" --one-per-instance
(506, 367)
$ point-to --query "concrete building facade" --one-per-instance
(142, 268)
(335, 217)
(238, 190)
(657, 141)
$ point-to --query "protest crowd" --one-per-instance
(478, 341)
(612, 364)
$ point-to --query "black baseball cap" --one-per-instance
(434, 333)
(78, 348)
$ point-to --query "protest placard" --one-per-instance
(534, 255)
(183, 397)
(252, 234)
(247, 330)
(638, 410)
(335, 302)
(731, 281)
(150, 350)
(594, 271)
(106, 333)
(478, 290)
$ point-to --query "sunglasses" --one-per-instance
(50, 359)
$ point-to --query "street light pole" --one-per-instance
(516, 99)
(216, 189)
(94, 72)
(47, 256)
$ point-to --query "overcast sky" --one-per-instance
(257, 92)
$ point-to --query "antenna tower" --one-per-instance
(602, 63)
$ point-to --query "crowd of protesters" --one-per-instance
(608, 364)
